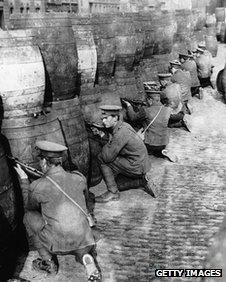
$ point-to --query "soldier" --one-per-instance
(183, 78)
(169, 90)
(156, 125)
(204, 67)
(125, 153)
(188, 64)
(171, 97)
(56, 217)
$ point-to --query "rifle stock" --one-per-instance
(34, 173)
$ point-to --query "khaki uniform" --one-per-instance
(125, 154)
(172, 92)
(190, 65)
(157, 134)
(54, 222)
(183, 78)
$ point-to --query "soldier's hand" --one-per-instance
(20, 172)
(127, 103)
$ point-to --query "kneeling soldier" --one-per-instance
(56, 217)
(125, 153)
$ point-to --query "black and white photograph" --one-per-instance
(112, 140)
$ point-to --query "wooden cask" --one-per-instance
(54, 35)
(22, 76)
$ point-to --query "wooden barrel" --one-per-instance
(184, 26)
(211, 44)
(55, 38)
(223, 32)
(219, 81)
(86, 48)
(7, 194)
(210, 20)
(159, 28)
(22, 133)
(198, 19)
(22, 76)
(224, 82)
(94, 175)
(69, 115)
(129, 40)
(104, 39)
(220, 14)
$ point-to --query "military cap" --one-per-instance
(50, 149)
(200, 50)
(202, 46)
(95, 120)
(162, 76)
(175, 63)
(108, 110)
(149, 93)
(185, 56)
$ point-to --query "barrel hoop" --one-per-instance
(6, 187)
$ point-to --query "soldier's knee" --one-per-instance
(33, 221)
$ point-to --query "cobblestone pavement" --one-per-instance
(141, 234)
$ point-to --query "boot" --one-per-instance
(107, 197)
(46, 266)
(92, 272)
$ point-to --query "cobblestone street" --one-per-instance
(175, 230)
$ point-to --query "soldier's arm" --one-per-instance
(111, 150)
(133, 116)
(34, 197)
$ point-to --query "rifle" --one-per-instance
(28, 169)
(136, 103)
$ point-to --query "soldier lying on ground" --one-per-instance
(125, 153)
(56, 217)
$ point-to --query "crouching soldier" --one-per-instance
(204, 67)
(183, 78)
(156, 125)
(171, 97)
(188, 64)
(125, 153)
(56, 217)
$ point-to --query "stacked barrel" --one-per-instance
(220, 14)
(211, 35)
(129, 48)
(53, 38)
(87, 63)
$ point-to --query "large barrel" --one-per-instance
(22, 133)
(55, 38)
(129, 40)
(224, 82)
(184, 25)
(220, 13)
(219, 81)
(8, 203)
(211, 44)
(70, 117)
(159, 28)
(22, 76)
(86, 48)
(222, 35)
(104, 39)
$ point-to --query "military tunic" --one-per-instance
(183, 78)
(65, 228)
(126, 149)
(190, 65)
